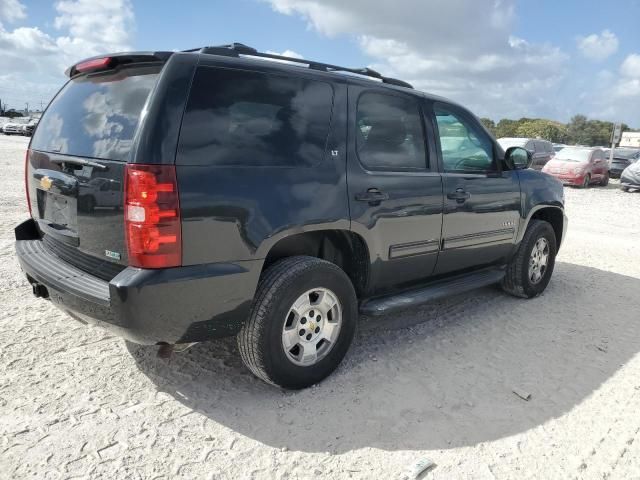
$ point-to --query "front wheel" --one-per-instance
(301, 324)
(529, 272)
(587, 181)
(605, 180)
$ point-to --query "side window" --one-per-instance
(529, 146)
(241, 118)
(549, 147)
(389, 133)
(465, 147)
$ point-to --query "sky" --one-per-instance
(500, 58)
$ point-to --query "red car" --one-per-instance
(579, 166)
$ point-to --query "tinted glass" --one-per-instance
(389, 132)
(239, 118)
(96, 116)
(465, 147)
(625, 153)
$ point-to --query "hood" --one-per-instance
(560, 163)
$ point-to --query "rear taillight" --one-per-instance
(95, 64)
(152, 216)
(26, 180)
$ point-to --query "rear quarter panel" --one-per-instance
(239, 213)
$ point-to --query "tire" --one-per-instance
(261, 340)
(625, 189)
(605, 180)
(586, 182)
(517, 280)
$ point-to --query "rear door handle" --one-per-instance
(460, 195)
(373, 196)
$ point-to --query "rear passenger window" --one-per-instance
(240, 118)
(389, 134)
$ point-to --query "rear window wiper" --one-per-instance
(80, 161)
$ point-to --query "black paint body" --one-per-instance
(238, 219)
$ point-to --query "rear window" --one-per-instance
(240, 118)
(96, 116)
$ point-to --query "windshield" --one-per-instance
(512, 142)
(97, 115)
(573, 155)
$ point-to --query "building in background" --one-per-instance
(630, 139)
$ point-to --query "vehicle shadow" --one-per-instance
(438, 377)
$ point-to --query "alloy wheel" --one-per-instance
(312, 326)
(538, 260)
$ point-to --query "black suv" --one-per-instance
(272, 200)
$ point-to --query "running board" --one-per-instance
(443, 288)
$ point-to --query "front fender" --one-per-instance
(540, 191)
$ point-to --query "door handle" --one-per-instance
(373, 196)
(460, 195)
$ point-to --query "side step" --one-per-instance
(443, 288)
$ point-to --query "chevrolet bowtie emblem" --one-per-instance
(46, 182)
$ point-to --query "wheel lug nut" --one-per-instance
(311, 313)
(303, 321)
(318, 318)
(309, 337)
(317, 329)
(301, 332)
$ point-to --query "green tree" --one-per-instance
(506, 128)
(489, 125)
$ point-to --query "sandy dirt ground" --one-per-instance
(432, 383)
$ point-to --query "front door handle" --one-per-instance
(460, 195)
(373, 196)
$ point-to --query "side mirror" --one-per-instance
(518, 158)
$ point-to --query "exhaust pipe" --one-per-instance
(39, 290)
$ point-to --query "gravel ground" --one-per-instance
(432, 383)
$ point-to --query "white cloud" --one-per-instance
(631, 66)
(598, 46)
(461, 49)
(12, 10)
(33, 61)
(286, 53)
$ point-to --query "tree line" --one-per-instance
(579, 131)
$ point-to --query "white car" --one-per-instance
(12, 128)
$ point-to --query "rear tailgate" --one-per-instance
(76, 165)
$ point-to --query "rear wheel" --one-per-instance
(625, 189)
(529, 272)
(301, 323)
(587, 181)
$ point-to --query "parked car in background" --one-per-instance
(12, 128)
(248, 197)
(622, 158)
(579, 166)
(630, 177)
(16, 126)
(27, 130)
(541, 150)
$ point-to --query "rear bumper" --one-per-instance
(174, 305)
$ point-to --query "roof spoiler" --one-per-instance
(111, 60)
(238, 49)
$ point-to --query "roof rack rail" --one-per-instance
(237, 49)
